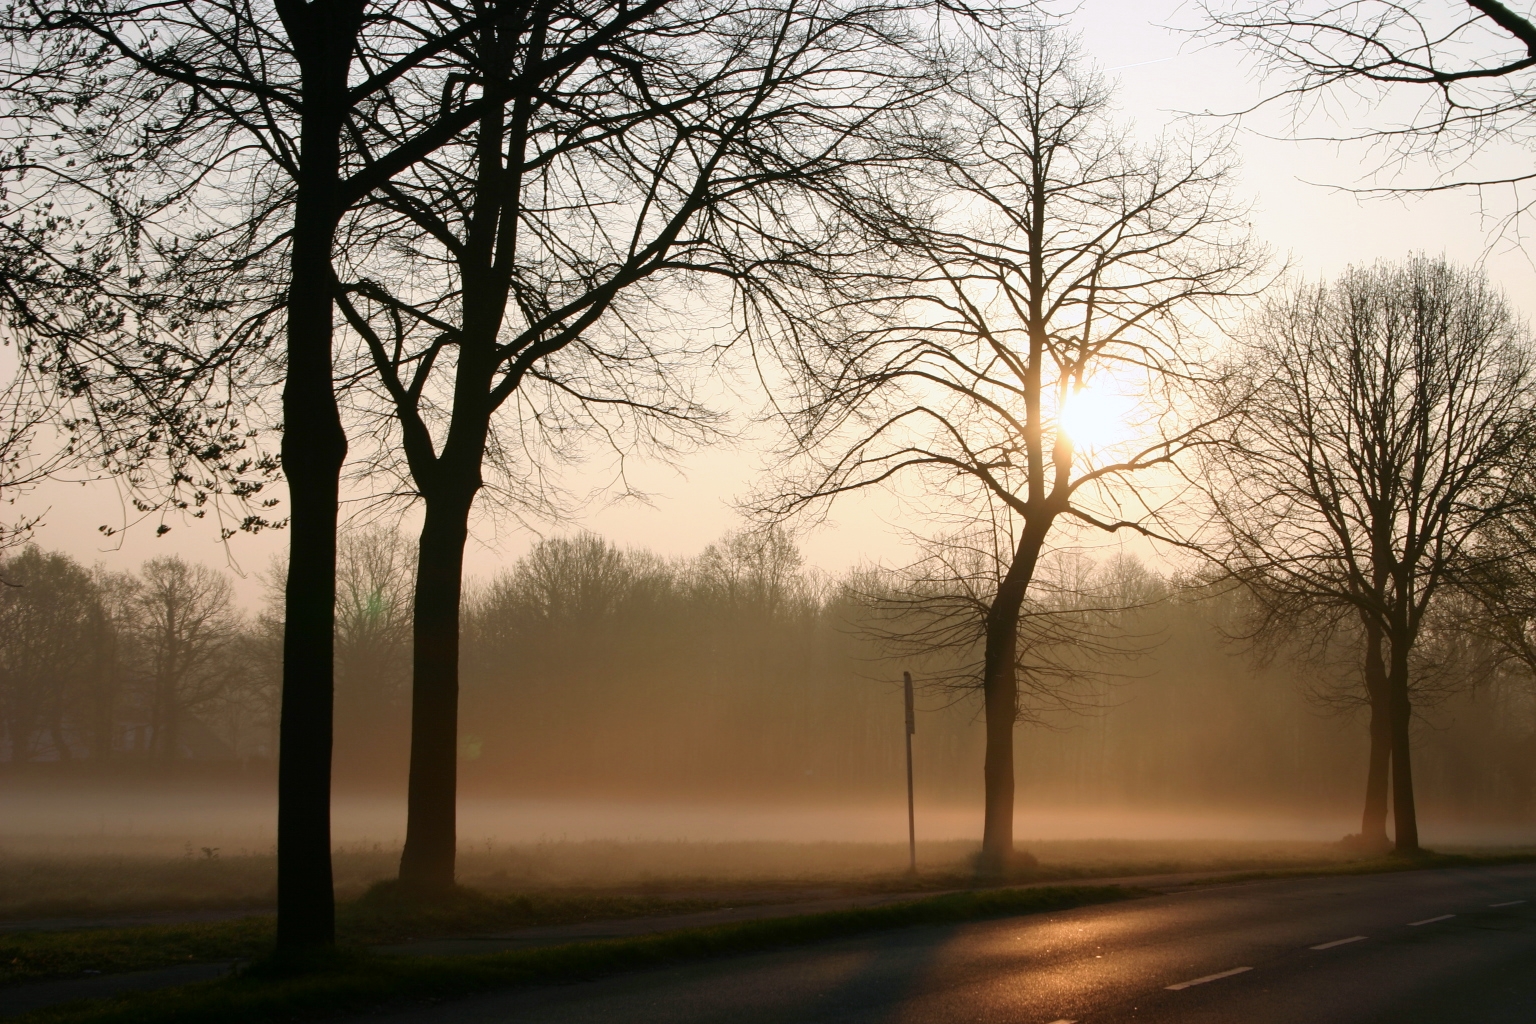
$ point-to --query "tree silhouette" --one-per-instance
(187, 629)
(44, 660)
(226, 144)
(1380, 424)
(524, 283)
(1042, 254)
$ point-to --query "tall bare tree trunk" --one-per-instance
(448, 484)
(427, 862)
(1000, 695)
(314, 448)
(1001, 701)
(1373, 822)
(1405, 820)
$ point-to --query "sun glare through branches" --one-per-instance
(1099, 415)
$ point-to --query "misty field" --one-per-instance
(34, 886)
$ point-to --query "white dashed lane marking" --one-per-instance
(1341, 942)
(1430, 920)
(1208, 977)
(1511, 903)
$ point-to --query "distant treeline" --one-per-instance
(156, 666)
(589, 670)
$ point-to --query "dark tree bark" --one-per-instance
(1405, 815)
(427, 862)
(448, 482)
(1000, 697)
(324, 37)
(1373, 821)
(310, 145)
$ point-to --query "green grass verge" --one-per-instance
(35, 956)
(357, 981)
(379, 917)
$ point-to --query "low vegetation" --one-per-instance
(378, 917)
(47, 883)
(354, 979)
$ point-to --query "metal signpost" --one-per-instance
(911, 816)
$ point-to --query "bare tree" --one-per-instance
(258, 128)
(1382, 421)
(1467, 71)
(1057, 260)
(186, 628)
(204, 97)
(45, 607)
(761, 569)
(109, 635)
(523, 283)
(375, 574)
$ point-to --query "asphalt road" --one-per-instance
(1419, 947)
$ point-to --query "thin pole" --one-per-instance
(911, 814)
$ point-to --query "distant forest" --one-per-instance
(591, 670)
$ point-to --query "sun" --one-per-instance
(1097, 416)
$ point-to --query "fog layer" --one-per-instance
(613, 694)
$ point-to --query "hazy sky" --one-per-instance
(1161, 75)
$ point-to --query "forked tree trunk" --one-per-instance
(1405, 820)
(427, 862)
(448, 484)
(1373, 822)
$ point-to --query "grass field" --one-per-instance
(356, 978)
(374, 919)
(53, 885)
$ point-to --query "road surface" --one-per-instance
(1417, 947)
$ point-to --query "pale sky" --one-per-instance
(1161, 75)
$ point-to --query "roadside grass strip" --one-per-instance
(1430, 920)
(1342, 942)
(39, 956)
(380, 916)
(1209, 977)
(356, 980)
